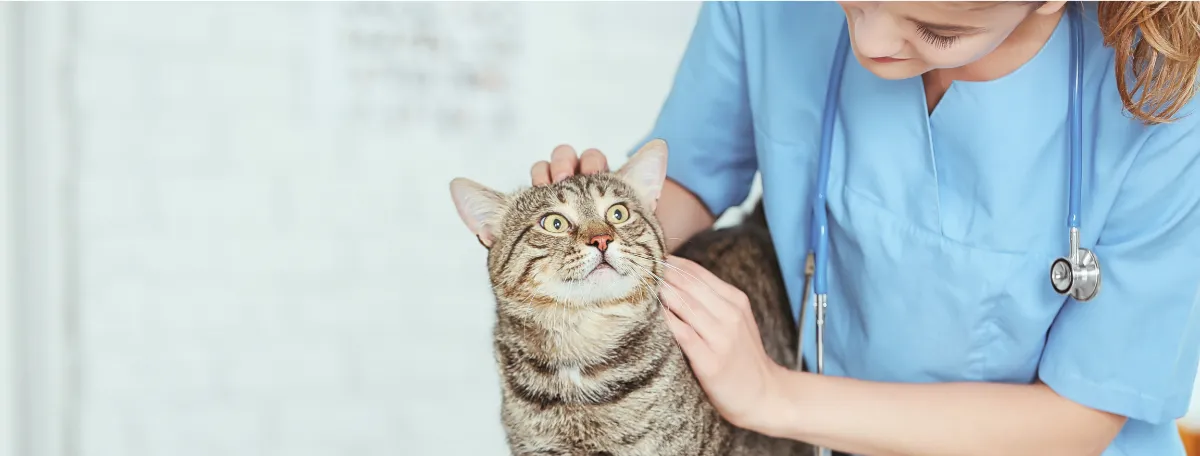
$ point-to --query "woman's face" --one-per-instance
(898, 40)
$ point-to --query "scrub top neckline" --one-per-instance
(1051, 59)
(1048, 47)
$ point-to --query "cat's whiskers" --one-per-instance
(677, 268)
(657, 298)
(653, 291)
(668, 287)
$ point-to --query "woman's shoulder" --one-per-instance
(792, 23)
(820, 11)
(1105, 105)
(787, 51)
(1141, 171)
(766, 34)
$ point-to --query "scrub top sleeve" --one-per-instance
(1133, 349)
(705, 119)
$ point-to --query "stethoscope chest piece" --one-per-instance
(1078, 276)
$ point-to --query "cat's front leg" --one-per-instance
(537, 448)
(541, 453)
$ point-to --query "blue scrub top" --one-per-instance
(943, 226)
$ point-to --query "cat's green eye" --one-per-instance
(617, 214)
(555, 223)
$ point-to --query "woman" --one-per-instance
(947, 200)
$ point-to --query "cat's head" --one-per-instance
(586, 241)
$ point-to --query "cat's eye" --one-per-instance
(555, 223)
(617, 214)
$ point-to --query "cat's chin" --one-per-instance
(602, 284)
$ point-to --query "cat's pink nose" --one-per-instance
(600, 241)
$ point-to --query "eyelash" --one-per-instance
(939, 41)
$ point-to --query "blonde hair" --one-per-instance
(1163, 58)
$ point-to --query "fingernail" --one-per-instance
(561, 177)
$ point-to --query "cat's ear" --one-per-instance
(646, 170)
(480, 208)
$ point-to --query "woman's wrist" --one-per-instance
(782, 415)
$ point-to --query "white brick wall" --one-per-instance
(8, 314)
(269, 262)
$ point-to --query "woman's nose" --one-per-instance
(876, 34)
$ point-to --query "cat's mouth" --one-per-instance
(602, 270)
(597, 279)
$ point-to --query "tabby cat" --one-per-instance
(587, 363)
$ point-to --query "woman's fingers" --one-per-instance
(684, 334)
(728, 292)
(540, 173)
(698, 354)
(730, 305)
(592, 161)
(688, 276)
(713, 318)
(563, 163)
(689, 309)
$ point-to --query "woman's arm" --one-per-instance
(714, 325)
(681, 214)
(933, 418)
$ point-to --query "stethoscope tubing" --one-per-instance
(819, 236)
(1075, 117)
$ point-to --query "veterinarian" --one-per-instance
(948, 197)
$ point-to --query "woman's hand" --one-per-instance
(564, 163)
(714, 325)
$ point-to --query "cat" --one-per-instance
(588, 366)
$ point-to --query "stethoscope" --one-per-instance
(1076, 275)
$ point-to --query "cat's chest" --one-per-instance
(599, 430)
(577, 340)
(571, 375)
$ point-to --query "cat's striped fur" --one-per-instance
(587, 364)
